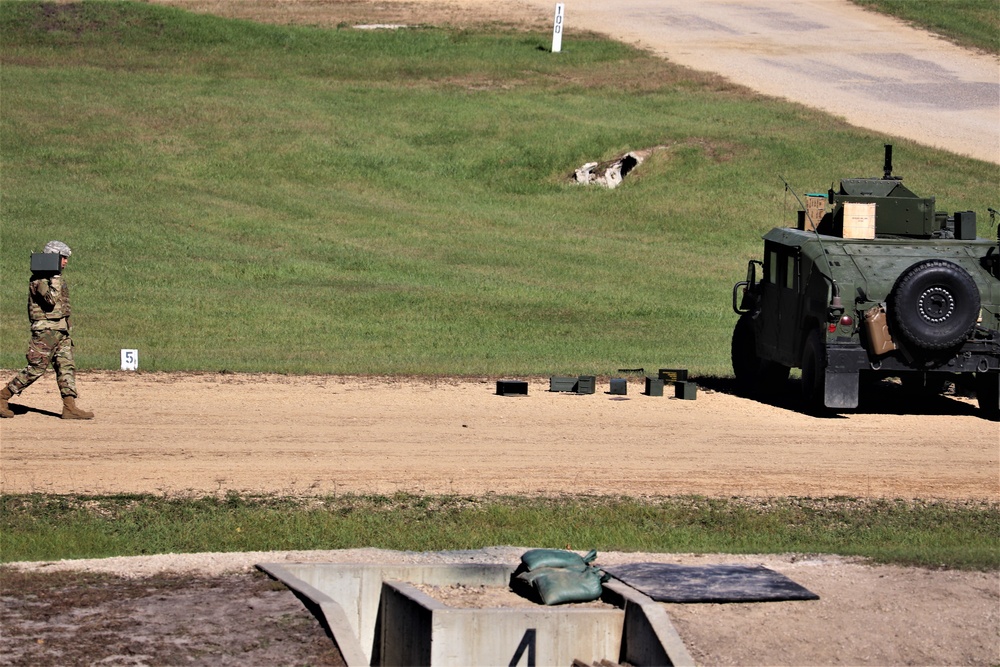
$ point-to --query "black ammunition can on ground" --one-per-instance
(563, 383)
(673, 375)
(46, 262)
(686, 390)
(512, 388)
(654, 386)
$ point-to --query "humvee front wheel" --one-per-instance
(754, 375)
(814, 372)
(743, 352)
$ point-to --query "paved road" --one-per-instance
(872, 70)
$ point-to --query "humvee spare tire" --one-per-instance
(934, 304)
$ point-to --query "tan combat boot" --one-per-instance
(71, 411)
(5, 395)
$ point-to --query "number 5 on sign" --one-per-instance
(557, 30)
(130, 360)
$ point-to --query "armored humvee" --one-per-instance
(871, 282)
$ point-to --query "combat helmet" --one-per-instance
(57, 248)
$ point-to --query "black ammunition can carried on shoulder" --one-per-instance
(45, 262)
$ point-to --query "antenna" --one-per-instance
(835, 301)
(888, 162)
(789, 188)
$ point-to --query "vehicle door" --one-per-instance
(780, 308)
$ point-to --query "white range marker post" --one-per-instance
(130, 360)
(557, 29)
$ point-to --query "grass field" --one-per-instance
(930, 534)
(256, 198)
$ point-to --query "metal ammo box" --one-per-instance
(45, 262)
(586, 384)
(562, 383)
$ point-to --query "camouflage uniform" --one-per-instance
(49, 311)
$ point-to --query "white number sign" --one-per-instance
(557, 30)
(130, 360)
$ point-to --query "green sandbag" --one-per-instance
(536, 558)
(557, 585)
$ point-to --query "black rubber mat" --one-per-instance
(666, 582)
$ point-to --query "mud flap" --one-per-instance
(988, 394)
(841, 390)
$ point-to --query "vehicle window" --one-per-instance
(772, 268)
(790, 272)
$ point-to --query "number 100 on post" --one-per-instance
(557, 29)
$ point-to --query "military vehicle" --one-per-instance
(872, 282)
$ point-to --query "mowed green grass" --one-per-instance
(245, 197)
(924, 533)
(258, 198)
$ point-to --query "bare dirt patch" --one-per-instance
(334, 13)
(209, 609)
(209, 433)
(77, 618)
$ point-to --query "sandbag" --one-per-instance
(555, 576)
(536, 558)
(558, 585)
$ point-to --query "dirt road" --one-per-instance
(204, 433)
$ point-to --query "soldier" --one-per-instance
(48, 311)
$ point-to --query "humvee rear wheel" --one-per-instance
(988, 394)
(934, 304)
(814, 372)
